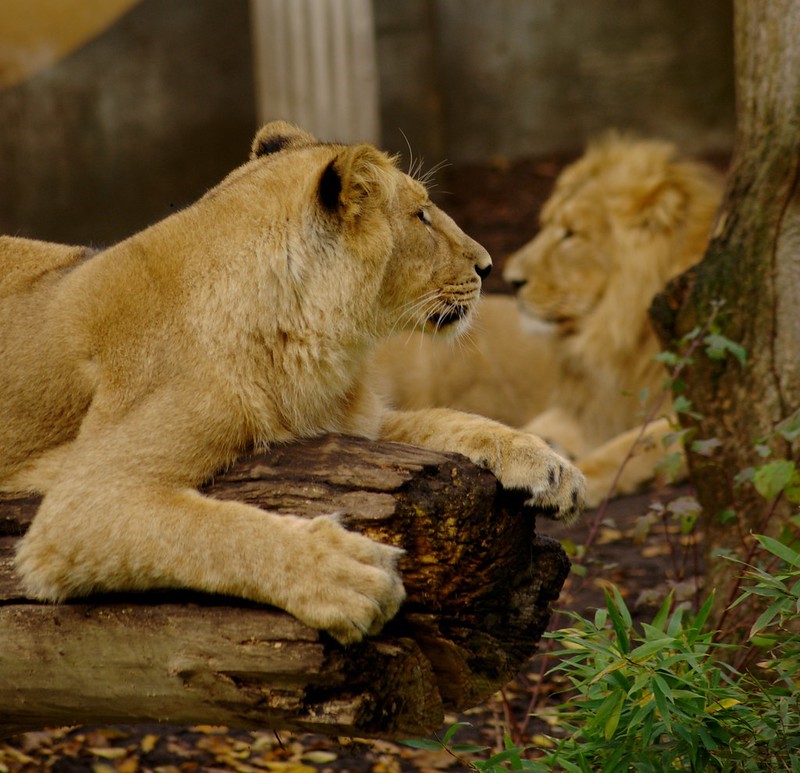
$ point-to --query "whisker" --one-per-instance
(416, 166)
(410, 153)
(427, 178)
(465, 341)
(413, 308)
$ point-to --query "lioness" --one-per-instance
(130, 376)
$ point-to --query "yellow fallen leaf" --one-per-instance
(264, 741)
(131, 765)
(290, 767)
(654, 551)
(17, 756)
(209, 729)
(608, 536)
(386, 764)
(148, 743)
(109, 753)
(319, 757)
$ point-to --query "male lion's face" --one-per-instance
(563, 272)
(622, 220)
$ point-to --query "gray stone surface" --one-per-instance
(146, 117)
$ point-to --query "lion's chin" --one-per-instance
(537, 323)
(453, 321)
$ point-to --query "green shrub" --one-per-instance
(656, 698)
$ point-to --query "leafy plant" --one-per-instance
(656, 697)
(652, 700)
(511, 755)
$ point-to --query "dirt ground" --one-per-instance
(496, 204)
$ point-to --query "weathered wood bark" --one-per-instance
(480, 583)
(753, 265)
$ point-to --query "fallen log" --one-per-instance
(480, 585)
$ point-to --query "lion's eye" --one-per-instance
(424, 217)
(568, 233)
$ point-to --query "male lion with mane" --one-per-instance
(130, 376)
(572, 359)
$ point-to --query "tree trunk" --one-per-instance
(479, 580)
(753, 265)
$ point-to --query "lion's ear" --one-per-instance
(280, 135)
(357, 180)
(662, 207)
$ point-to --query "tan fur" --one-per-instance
(622, 220)
(491, 370)
(129, 377)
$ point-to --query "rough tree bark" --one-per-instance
(753, 265)
(480, 584)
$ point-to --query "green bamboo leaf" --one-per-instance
(682, 404)
(452, 730)
(725, 703)
(468, 748)
(505, 755)
(612, 722)
(622, 607)
(423, 743)
(789, 428)
(568, 766)
(663, 687)
(773, 477)
(675, 622)
(660, 619)
(620, 617)
(668, 358)
(792, 490)
(706, 738)
(701, 617)
(706, 447)
(644, 651)
(661, 704)
(608, 670)
(766, 617)
(718, 346)
(792, 557)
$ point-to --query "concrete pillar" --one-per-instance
(315, 65)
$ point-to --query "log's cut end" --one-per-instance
(480, 585)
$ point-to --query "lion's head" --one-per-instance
(622, 220)
(380, 247)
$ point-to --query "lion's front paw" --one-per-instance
(555, 484)
(344, 583)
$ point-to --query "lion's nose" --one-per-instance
(483, 271)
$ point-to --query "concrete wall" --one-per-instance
(140, 120)
(148, 115)
(472, 79)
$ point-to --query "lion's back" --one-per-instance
(24, 261)
(39, 404)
